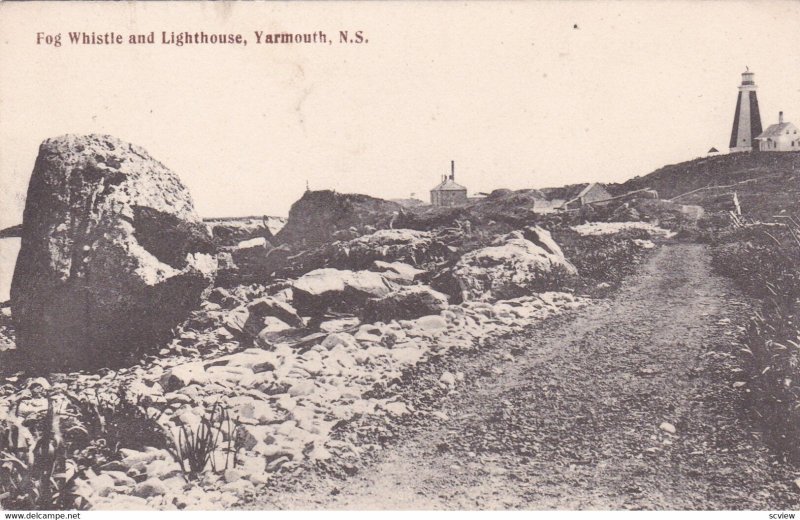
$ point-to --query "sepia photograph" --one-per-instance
(403, 255)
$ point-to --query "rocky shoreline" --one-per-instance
(263, 349)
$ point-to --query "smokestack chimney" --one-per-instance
(453, 169)
(780, 117)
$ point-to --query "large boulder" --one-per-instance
(514, 266)
(406, 303)
(324, 290)
(113, 254)
(322, 216)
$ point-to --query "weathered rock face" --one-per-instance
(404, 245)
(406, 303)
(113, 254)
(386, 245)
(228, 232)
(520, 263)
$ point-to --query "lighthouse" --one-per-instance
(746, 120)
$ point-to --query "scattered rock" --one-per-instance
(223, 298)
(340, 338)
(396, 408)
(39, 384)
(410, 355)
(101, 484)
(369, 334)
(301, 388)
(236, 319)
(255, 359)
(339, 325)
(232, 475)
(162, 469)
(31, 407)
(183, 375)
(448, 379)
(231, 374)
(123, 503)
(406, 246)
(251, 436)
(271, 307)
(430, 324)
(248, 408)
(150, 488)
(667, 427)
(253, 242)
(120, 478)
(319, 453)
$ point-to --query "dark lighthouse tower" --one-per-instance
(746, 120)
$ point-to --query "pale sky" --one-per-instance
(512, 92)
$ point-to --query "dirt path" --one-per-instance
(573, 420)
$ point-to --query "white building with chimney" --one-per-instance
(781, 137)
(448, 193)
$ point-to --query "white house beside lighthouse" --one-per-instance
(782, 137)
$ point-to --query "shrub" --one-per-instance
(194, 448)
(765, 261)
(602, 258)
(41, 458)
(37, 475)
(115, 420)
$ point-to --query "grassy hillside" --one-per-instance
(765, 183)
